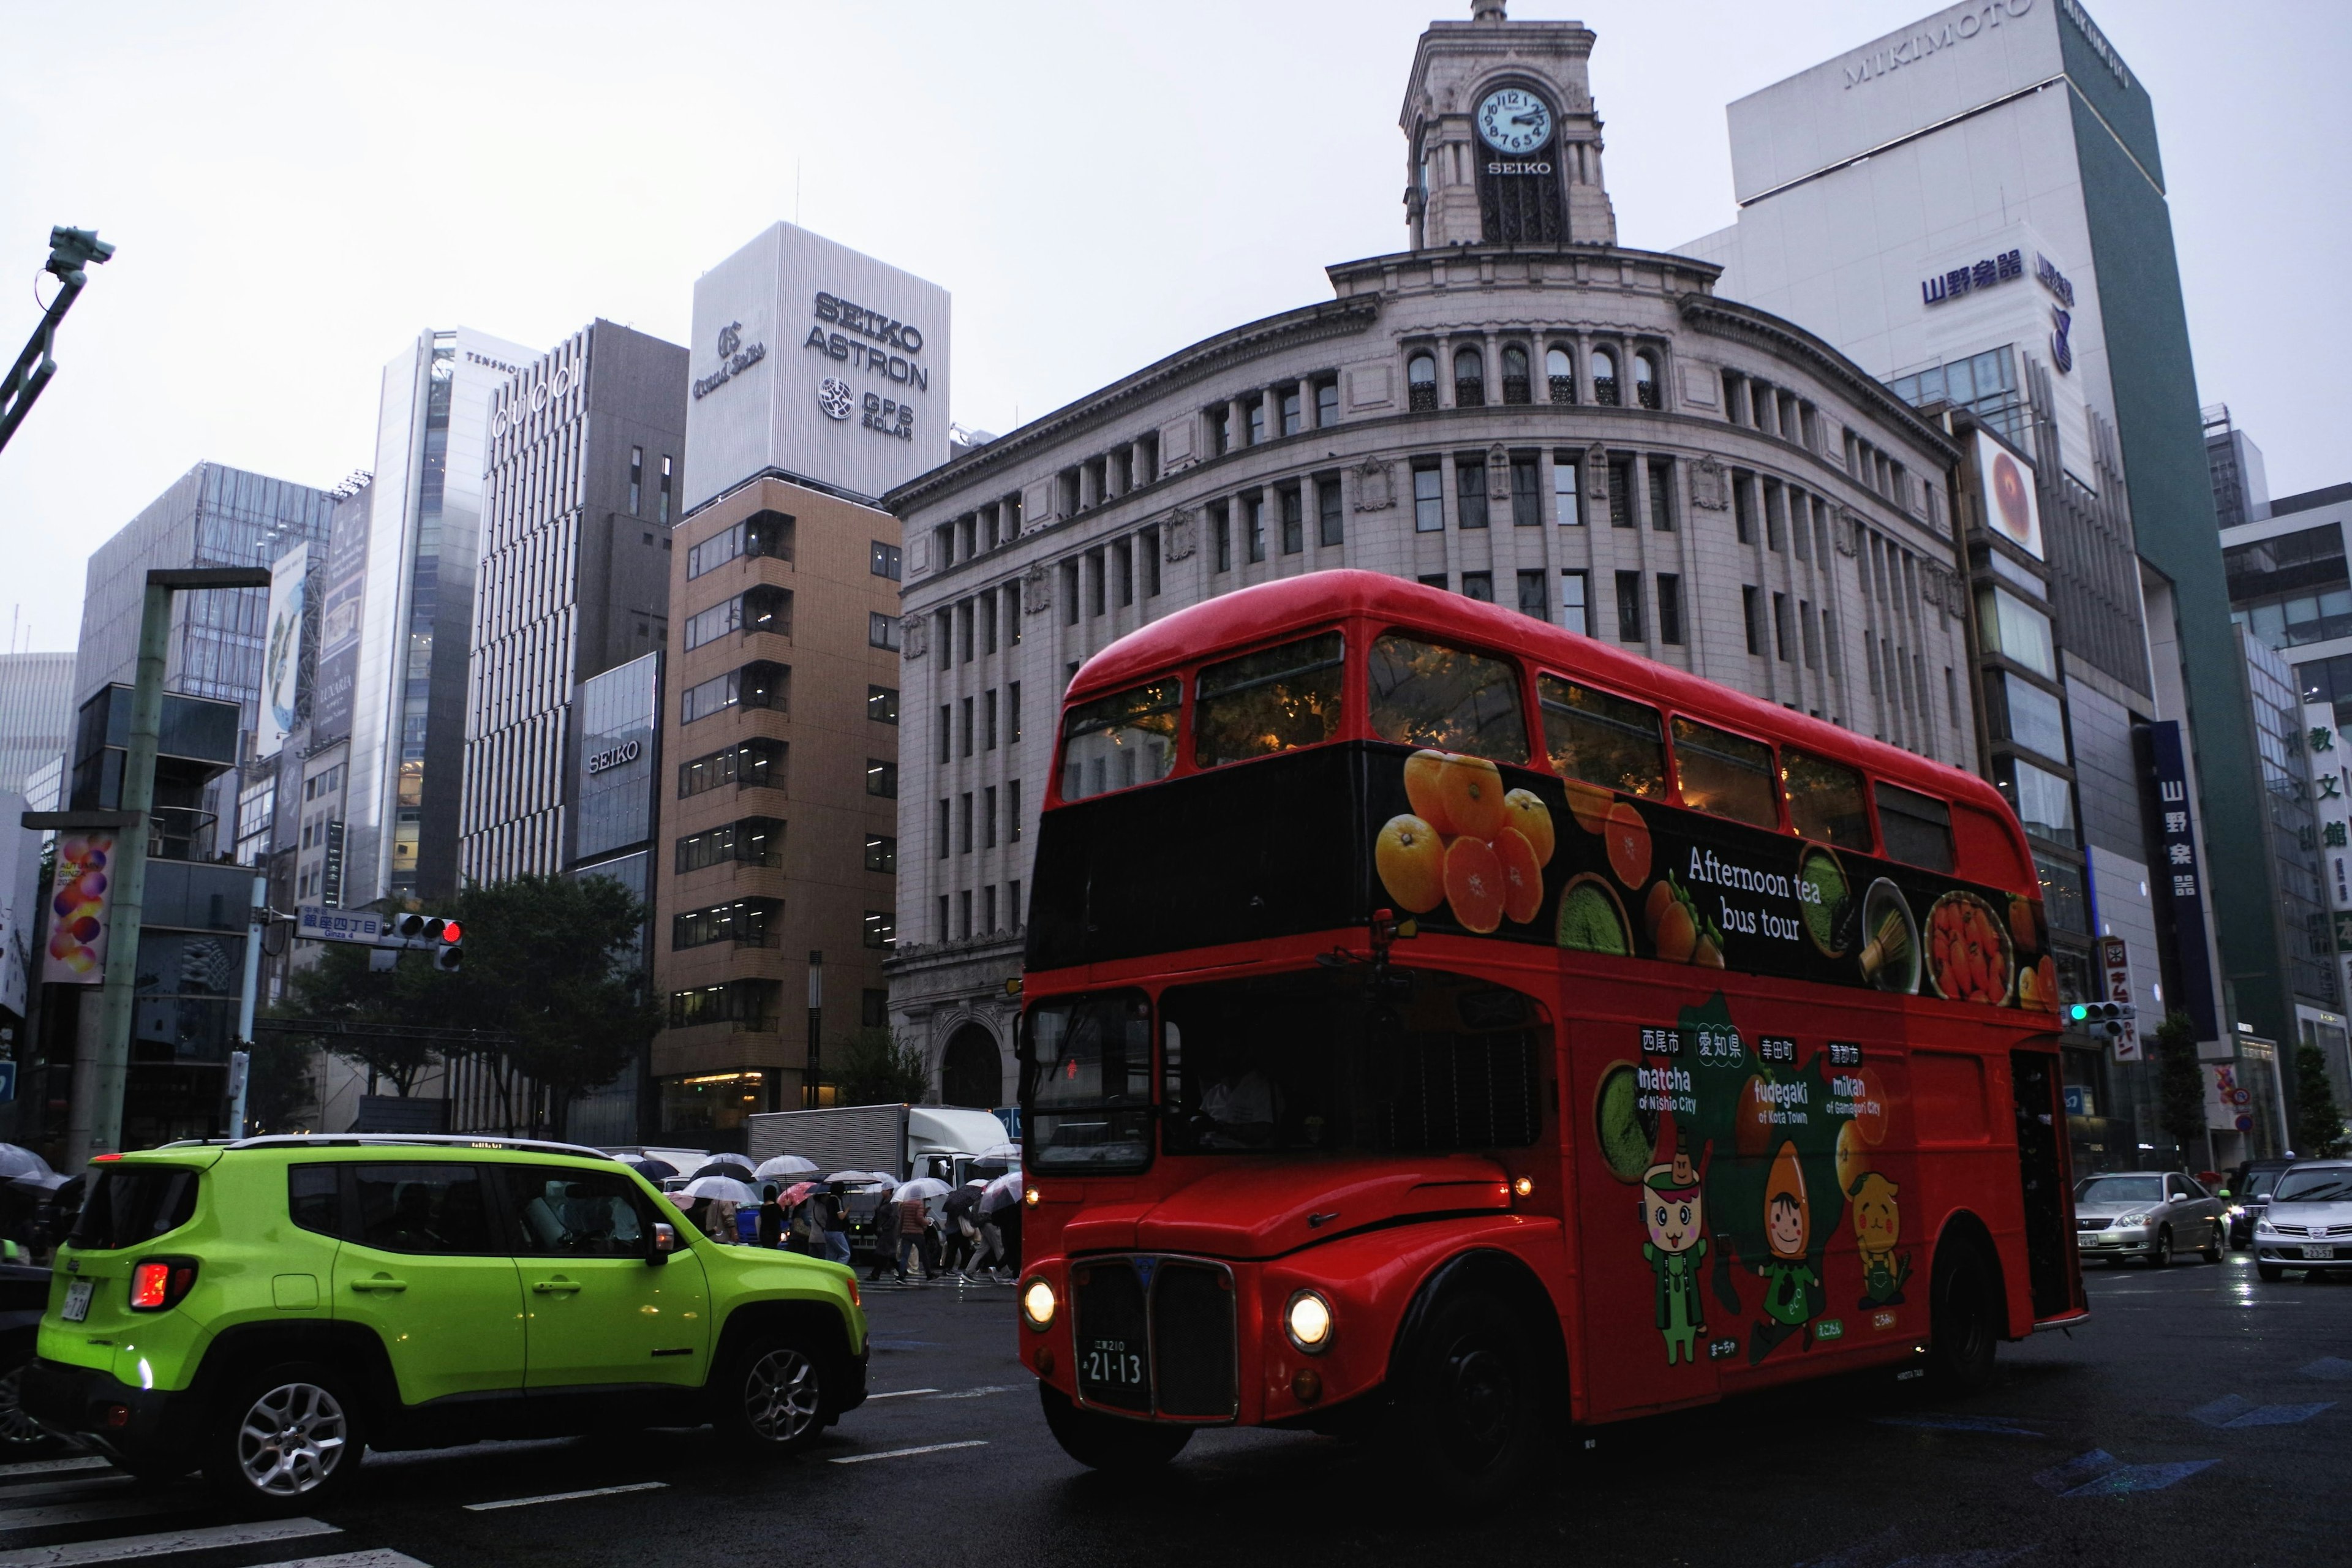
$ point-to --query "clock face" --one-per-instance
(1515, 120)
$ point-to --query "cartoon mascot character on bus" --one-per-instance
(1792, 1290)
(1673, 1210)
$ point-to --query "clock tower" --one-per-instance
(1502, 144)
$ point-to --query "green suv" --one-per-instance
(265, 1309)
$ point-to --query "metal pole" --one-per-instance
(108, 1066)
(255, 928)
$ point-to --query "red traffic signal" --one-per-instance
(452, 931)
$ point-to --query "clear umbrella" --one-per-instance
(1001, 1193)
(785, 1165)
(726, 1187)
(924, 1187)
(863, 1178)
(16, 1162)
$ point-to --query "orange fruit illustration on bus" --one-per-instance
(1522, 876)
(1411, 859)
(1474, 884)
(1628, 839)
(1529, 814)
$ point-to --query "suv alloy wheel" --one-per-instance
(284, 1439)
(772, 1393)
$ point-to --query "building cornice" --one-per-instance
(1724, 318)
(1384, 267)
(1333, 318)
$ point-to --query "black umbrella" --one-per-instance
(652, 1170)
(734, 1170)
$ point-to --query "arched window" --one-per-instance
(1514, 373)
(1604, 378)
(971, 1070)
(1421, 380)
(1645, 379)
(1561, 371)
(1469, 378)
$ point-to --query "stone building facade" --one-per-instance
(1546, 420)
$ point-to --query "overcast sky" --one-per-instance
(297, 189)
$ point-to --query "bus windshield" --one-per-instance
(1086, 1082)
(1328, 1061)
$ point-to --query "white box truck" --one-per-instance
(904, 1140)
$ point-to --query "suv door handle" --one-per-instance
(553, 1286)
(380, 1282)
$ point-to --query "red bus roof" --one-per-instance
(1253, 615)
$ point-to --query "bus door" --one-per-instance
(1647, 1317)
(2042, 1170)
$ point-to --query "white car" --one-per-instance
(2309, 1223)
(2148, 1215)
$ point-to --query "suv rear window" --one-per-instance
(129, 1205)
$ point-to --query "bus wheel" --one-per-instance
(1466, 1399)
(1107, 1443)
(1962, 1328)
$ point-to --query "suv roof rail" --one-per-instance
(428, 1140)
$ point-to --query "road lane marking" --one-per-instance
(376, 1557)
(14, 1518)
(899, 1394)
(1999, 1425)
(894, 1453)
(50, 1467)
(556, 1497)
(163, 1543)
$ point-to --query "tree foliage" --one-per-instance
(2180, 1087)
(2318, 1124)
(878, 1069)
(551, 961)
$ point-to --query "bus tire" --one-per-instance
(1963, 1318)
(1107, 1443)
(1467, 1398)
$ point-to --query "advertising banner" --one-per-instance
(2010, 508)
(341, 598)
(2180, 910)
(2115, 961)
(79, 909)
(281, 656)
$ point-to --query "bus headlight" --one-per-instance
(1038, 1305)
(1307, 1321)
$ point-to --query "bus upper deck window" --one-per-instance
(1917, 828)
(1115, 742)
(1825, 801)
(1602, 739)
(1425, 694)
(1271, 701)
(1725, 775)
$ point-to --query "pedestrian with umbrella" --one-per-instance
(913, 1200)
(961, 1216)
(1000, 1219)
(719, 1197)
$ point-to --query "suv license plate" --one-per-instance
(77, 1307)
(2325, 1252)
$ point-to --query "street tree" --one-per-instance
(2318, 1124)
(2180, 1088)
(879, 1069)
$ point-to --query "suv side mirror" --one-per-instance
(664, 1243)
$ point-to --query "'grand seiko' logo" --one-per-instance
(734, 359)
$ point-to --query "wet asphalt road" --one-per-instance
(2203, 1417)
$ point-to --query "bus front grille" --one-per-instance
(1155, 1335)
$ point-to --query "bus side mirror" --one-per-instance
(663, 1243)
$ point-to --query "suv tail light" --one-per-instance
(162, 1283)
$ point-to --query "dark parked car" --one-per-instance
(2245, 1194)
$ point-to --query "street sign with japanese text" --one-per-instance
(2115, 964)
(315, 923)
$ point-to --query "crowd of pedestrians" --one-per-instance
(941, 1237)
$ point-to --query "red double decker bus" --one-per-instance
(1436, 1017)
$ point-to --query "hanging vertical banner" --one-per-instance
(2175, 876)
(281, 656)
(341, 596)
(2116, 962)
(20, 894)
(79, 909)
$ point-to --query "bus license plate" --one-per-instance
(1111, 1361)
(77, 1307)
(2319, 1252)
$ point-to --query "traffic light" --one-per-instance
(2104, 1019)
(437, 934)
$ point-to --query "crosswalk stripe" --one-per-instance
(886, 1454)
(555, 1497)
(77, 1513)
(376, 1557)
(50, 1467)
(898, 1393)
(163, 1543)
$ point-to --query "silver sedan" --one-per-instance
(2148, 1215)
(2309, 1223)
